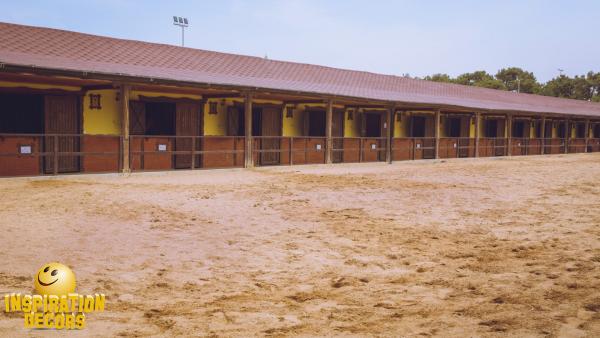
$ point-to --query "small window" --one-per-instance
(95, 101)
(213, 108)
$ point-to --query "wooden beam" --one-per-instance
(477, 136)
(587, 134)
(508, 127)
(543, 135)
(390, 133)
(249, 156)
(437, 133)
(97, 87)
(222, 96)
(124, 97)
(567, 135)
(328, 132)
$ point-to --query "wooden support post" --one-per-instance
(543, 136)
(437, 133)
(55, 155)
(124, 97)
(328, 129)
(390, 133)
(291, 151)
(567, 135)
(193, 152)
(587, 135)
(248, 154)
(509, 134)
(360, 149)
(477, 136)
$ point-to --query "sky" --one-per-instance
(399, 37)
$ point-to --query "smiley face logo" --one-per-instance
(54, 279)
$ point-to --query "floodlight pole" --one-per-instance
(182, 36)
(183, 23)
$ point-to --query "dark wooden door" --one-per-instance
(270, 126)
(337, 132)
(187, 123)
(137, 118)
(61, 116)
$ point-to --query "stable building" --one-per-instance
(75, 103)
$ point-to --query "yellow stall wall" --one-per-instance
(216, 124)
(401, 123)
(104, 121)
(294, 125)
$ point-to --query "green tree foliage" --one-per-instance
(517, 80)
(439, 78)
(581, 87)
(480, 78)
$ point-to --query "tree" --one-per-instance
(594, 81)
(561, 86)
(516, 79)
(579, 87)
(439, 78)
(480, 79)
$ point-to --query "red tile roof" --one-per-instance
(64, 50)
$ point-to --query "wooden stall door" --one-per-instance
(186, 124)
(337, 131)
(270, 126)
(61, 117)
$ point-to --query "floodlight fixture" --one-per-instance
(183, 23)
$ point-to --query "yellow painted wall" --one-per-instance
(105, 121)
(352, 127)
(294, 125)
(470, 126)
(216, 124)
(401, 126)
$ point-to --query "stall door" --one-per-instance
(337, 132)
(61, 117)
(187, 123)
(270, 126)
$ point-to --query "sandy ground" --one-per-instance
(490, 247)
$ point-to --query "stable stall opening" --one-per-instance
(519, 129)
(422, 127)
(417, 126)
(372, 125)
(580, 130)
(491, 128)
(236, 122)
(548, 129)
(596, 131)
(266, 124)
(316, 123)
(160, 118)
(561, 130)
(453, 127)
(157, 122)
(456, 141)
(494, 132)
(21, 114)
